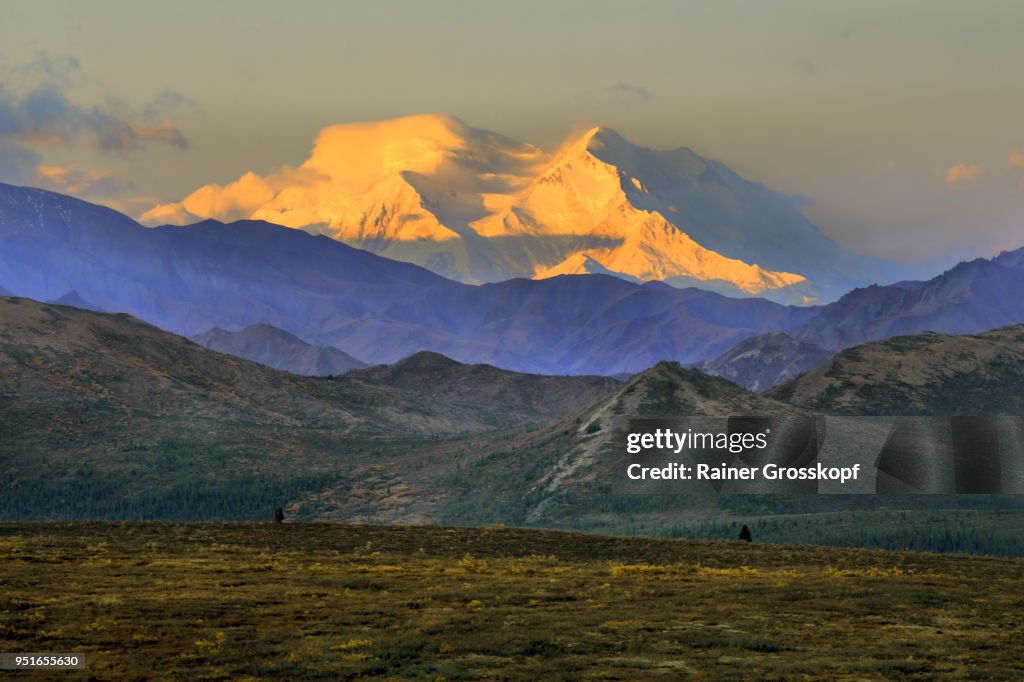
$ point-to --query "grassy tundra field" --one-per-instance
(334, 602)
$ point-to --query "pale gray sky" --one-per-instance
(897, 120)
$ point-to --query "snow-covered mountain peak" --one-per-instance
(477, 206)
(358, 155)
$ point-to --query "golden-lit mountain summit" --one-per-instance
(476, 206)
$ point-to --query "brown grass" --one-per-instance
(323, 601)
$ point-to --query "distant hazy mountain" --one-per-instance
(487, 387)
(969, 298)
(189, 280)
(106, 416)
(75, 301)
(927, 374)
(763, 361)
(475, 206)
(923, 374)
(273, 347)
(120, 378)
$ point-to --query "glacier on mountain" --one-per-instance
(478, 207)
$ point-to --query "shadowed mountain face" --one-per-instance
(75, 301)
(116, 378)
(275, 348)
(763, 361)
(574, 455)
(106, 416)
(927, 374)
(526, 396)
(670, 390)
(969, 298)
(189, 280)
(105, 408)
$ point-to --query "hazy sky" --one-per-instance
(901, 122)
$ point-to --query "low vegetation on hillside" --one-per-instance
(108, 417)
(334, 602)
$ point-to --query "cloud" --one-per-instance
(44, 117)
(628, 90)
(166, 132)
(50, 70)
(17, 164)
(1016, 158)
(348, 161)
(36, 115)
(167, 214)
(234, 201)
(41, 117)
(961, 174)
(165, 106)
(80, 180)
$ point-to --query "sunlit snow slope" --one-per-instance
(475, 206)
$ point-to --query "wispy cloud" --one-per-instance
(166, 132)
(630, 90)
(58, 71)
(80, 180)
(45, 117)
(233, 201)
(17, 164)
(38, 115)
(960, 175)
(166, 105)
